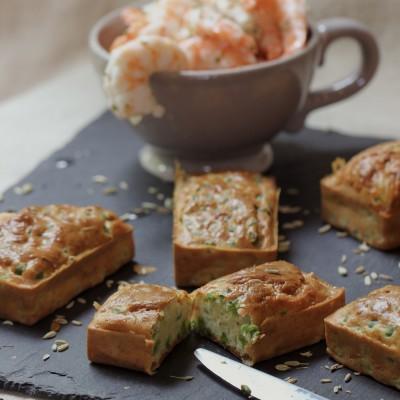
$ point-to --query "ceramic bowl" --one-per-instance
(221, 119)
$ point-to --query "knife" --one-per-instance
(252, 381)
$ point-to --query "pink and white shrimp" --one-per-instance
(222, 44)
(127, 75)
(282, 26)
(293, 24)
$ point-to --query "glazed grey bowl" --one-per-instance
(225, 118)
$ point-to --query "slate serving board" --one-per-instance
(108, 147)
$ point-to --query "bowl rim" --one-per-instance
(103, 54)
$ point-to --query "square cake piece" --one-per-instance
(365, 335)
(362, 196)
(265, 311)
(223, 222)
(50, 254)
(138, 326)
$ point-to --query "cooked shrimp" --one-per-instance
(293, 24)
(269, 36)
(218, 43)
(135, 19)
(126, 80)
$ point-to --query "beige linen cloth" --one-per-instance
(48, 89)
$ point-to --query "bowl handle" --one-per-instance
(329, 31)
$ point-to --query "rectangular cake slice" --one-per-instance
(365, 335)
(138, 326)
(223, 222)
(265, 311)
(362, 196)
(50, 254)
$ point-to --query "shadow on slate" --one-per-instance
(108, 147)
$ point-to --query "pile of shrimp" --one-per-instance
(173, 35)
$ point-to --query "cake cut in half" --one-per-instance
(265, 311)
(362, 196)
(138, 326)
(50, 254)
(365, 335)
(223, 222)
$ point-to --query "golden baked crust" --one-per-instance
(365, 335)
(223, 222)
(138, 325)
(363, 195)
(274, 308)
(49, 254)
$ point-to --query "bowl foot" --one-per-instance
(162, 165)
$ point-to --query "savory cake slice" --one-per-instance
(365, 335)
(362, 196)
(138, 326)
(264, 311)
(50, 254)
(223, 222)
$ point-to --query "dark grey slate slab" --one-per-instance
(108, 147)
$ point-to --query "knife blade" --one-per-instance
(262, 385)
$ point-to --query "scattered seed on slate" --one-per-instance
(337, 389)
(24, 189)
(348, 377)
(289, 209)
(343, 259)
(326, 380)
(81, 300)
(54, 347)
(8, 322)
(160, 196)
(109, 283)
(123, 185)
(324, 229)
(99, 179)
(297, 223)
(76, 322)
(62, 164)
(367, 281)
(62, 347)
(291, 380)
(45, 357)
(70, 305)
(283, 247)
(152, 190)
(182, 378)
(385, 277)
(49, 335)
(342, 270)
(296, 364)
(144, 269)
(128, 217)
(342, 234)
(374, 276)
(360, 269)
(307, 354)
(282, 367)
(110, 190)
(168, 203)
